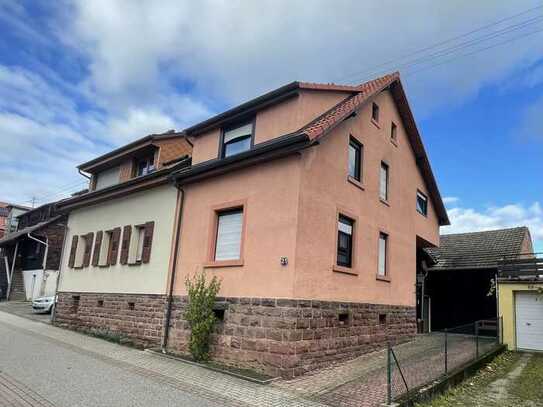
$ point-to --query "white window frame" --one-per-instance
(220, 235)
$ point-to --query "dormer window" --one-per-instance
(237, 140)
(145, 165)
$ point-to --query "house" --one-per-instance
(312, 203)
(467, 263)
(120, 236)
(10, 213)
(520, 295)
(31, 252)
(4, 212)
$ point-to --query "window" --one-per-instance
(383, 243)
(145, 166)
(105, 249)
(80, 251)
(383, 182)
(345, 241)
(422, 203)
(228, 240)
(140, 232)
(375, 112)
(355, 159)
(237, 140)
(393, 132)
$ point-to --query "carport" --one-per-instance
(460, 286)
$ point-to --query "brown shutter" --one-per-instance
(97, 247)
(73, 251)
(147, 242)
(88, 249)
(125, 247)
(114, 246)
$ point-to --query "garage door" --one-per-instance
(529, 316)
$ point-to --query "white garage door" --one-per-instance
(529, 316)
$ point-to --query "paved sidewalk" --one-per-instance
(70, 369)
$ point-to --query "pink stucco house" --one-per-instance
(312, 203)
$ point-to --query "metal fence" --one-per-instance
(432, 356)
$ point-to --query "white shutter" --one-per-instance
(245, 130)
(382, 255)
(229, 227)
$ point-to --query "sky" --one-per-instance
(79, 78)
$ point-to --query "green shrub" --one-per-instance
(199, 313)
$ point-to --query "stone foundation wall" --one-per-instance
(136, 318)
(283, 337)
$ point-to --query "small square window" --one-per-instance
(131, 305)
(345, 231)
(219, 314)
(382, 319)
(375, 112)
(422, 203)
(343, 318)
(355, 159)
(393, 132)
(237, 140)
(100, 303)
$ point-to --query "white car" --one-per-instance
(43, 304)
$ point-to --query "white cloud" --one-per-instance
(450, 200)
(229, 50)
(507, 216)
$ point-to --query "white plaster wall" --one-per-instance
(158, 205)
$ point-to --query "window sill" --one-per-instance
(344, 270)
(375, 123)
(135, 263)
(384, 202)
(223, 263)
(355, 182)
(382, 278)
(423, 214)
(394, 142)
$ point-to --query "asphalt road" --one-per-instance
(35, 371)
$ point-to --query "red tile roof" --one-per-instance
(343, 109)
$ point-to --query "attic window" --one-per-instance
(375, 112)
(393, 132)
(237, 139)
(145, 165)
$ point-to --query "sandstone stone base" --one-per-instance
(285, 337)
(138, 318)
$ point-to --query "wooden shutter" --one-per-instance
(125, 247)
(88, 249)
(97, 247)
(73, 251)
(114, 246)
(147, 242)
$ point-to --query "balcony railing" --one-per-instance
(528, 266)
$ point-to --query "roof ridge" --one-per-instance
(484, 231)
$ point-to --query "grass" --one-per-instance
(468, 392)
(529, 385)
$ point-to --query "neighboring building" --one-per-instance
(520, 293)
(12, 217)
(4, 213)
(31, 254)
(311, 203)
(467, 263)
(120, 235)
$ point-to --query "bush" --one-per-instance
(199, 313)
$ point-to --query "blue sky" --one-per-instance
(78, 78)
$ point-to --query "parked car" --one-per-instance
(43, 304)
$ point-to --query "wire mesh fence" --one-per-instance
(429, 357)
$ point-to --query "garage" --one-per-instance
(529, 320)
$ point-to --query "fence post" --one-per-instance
(446, 367)
(389, 375)
(476, 339)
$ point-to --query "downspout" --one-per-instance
(54, 312)
(44, 261)
(168, 316)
